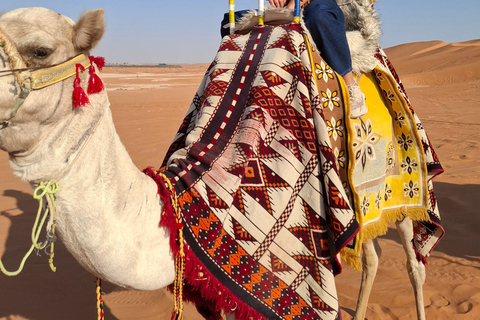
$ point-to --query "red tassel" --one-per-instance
(95, 84)
(80, 98)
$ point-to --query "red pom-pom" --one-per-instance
(99, 61)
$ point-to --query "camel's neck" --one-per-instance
(107, 210)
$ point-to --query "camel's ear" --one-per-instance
(89, 29)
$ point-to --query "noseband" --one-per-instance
(35, 78)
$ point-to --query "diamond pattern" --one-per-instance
(262, 167)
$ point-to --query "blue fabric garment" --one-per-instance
(226, 21)
(326, 23)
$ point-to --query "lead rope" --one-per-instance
(48, 192)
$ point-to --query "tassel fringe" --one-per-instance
(80, 98)
(199, 286)
(95, 84)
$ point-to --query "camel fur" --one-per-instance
(108, 220)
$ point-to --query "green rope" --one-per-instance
(42, 191)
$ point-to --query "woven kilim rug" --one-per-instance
(263, 206)
(385, 161)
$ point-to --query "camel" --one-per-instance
(107, 210)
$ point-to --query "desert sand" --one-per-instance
(148, 105)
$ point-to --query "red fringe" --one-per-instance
(201, 287)
(420, 257)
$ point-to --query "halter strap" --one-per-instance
(45, 77)
(35, 78)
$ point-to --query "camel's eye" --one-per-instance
(40, 53)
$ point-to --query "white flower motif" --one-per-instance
(364, 142)
(409, 165)
(330, 99)
(405, 141)
(323, 71)
(365, 205)
(339, 158)
(388, 192)
(400, 119)
(378, 200)
(411, 189)
(335, 128)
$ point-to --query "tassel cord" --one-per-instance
(180, 255)
(100, 312)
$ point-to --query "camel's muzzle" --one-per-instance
(34, 78)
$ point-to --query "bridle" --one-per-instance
(35, 78)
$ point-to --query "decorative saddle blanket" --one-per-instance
(262, 168)
(390, 164)
(264, 209)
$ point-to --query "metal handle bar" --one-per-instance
(261, 13)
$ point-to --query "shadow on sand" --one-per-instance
(38, 293)
(458, 205)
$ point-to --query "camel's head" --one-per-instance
(37, 38)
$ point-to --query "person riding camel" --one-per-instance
(326, 24)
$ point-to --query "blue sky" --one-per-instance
(187, 31)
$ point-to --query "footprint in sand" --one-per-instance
(469, 295)
(465, 307)
(438, 301)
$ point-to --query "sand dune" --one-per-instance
(442, 80)
(438, 63)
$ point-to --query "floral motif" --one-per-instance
(339, 158)
(390, 96)
(405, 141)
(378, 200)
(330, 99)
(390, 157)
(365, 205)
(379, 77)
(388, 192)
(323, 71)
(411, 189)
(364, 142)
(409, 165)
(335, 128)
(400, 119)
(347, 189)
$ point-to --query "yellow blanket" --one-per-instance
(389, 175)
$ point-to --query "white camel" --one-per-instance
(107, 210)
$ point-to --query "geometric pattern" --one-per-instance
(263, 207)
